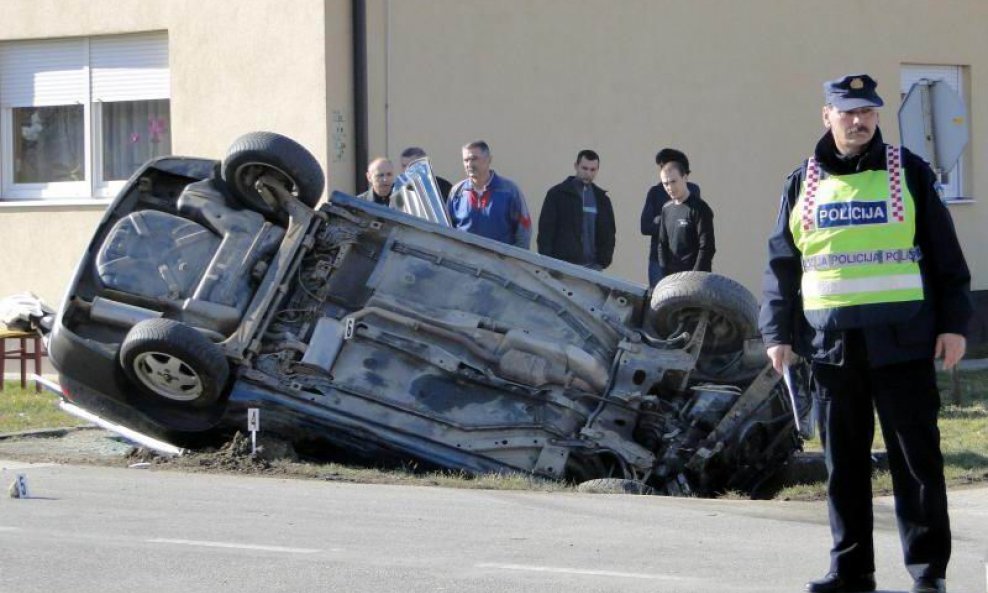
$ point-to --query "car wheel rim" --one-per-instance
(720, 330)
(168, 376)
(723, 329)
(247, 175)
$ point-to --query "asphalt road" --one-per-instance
(99, 529)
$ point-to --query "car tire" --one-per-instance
(678, 299)
(614, 486)
(173, 364)
(266, 153)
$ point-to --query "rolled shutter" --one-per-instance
(912, 73)
(43, 73)
(130, 67)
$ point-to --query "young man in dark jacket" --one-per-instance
(577, 219)
(686, 224)
(655, 199)
(866, 279)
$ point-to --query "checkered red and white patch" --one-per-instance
(809, 196)
(893, 160)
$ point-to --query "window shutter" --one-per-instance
(43, 73)
(912, 73)
(130, 67)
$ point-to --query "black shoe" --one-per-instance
(929, 585)
(835, 583)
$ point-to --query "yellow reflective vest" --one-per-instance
(856, 237)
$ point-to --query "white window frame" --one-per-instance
(70, 88)
(126, 58)
(38, 191)
(149, 54)
(957, 186)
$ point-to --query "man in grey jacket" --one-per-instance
(381, 176)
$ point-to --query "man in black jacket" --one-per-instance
(577, 219)
(414, 153)
(655, 199)
(686, 223)
(867, 280)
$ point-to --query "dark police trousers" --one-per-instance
(906, 398)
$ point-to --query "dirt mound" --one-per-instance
(236, 455)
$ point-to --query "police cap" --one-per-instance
(853, 91)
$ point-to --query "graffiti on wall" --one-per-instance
(339, 136)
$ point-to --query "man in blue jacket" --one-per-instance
(867, 280)
(487, 204)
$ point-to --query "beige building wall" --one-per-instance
(736, 85)
(236, 66)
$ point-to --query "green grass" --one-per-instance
(450, 479)
(963, 438)
(23, 409)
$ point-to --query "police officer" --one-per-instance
(867, 280)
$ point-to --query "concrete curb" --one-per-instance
(973, 364)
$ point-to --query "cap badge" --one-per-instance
(857, 84)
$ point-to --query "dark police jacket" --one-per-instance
(561, 224)
(946, 307)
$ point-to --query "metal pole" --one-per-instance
(955, 387)
(360, 151)
(929, 132)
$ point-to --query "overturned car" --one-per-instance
(212, 287)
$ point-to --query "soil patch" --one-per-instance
(90, 445)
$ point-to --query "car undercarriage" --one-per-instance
(214, 287)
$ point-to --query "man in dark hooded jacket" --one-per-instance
(656, 198)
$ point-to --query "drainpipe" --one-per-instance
(358, 10)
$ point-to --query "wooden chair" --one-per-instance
(22, 353)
